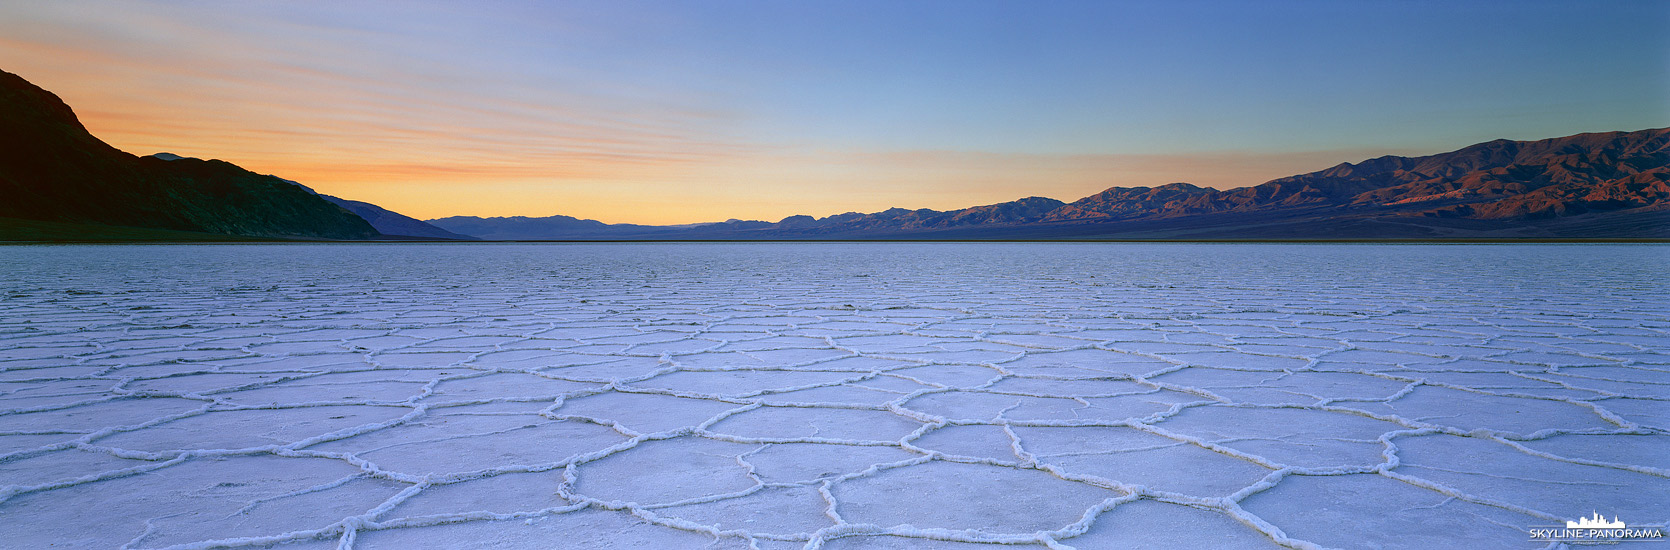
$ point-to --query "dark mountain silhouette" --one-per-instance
(1599, 185)
(390, 224)
(53, 170)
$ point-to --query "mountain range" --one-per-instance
(59, 182)
(1595, 185)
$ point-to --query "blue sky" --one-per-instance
(676, 112)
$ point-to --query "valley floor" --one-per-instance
(778, 396)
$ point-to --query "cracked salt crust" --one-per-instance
(776, 396)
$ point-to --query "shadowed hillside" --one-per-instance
(53, 170)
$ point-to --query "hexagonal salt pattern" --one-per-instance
(778, 396)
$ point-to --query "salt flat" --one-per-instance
(823, 395)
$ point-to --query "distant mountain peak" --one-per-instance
(393, 223)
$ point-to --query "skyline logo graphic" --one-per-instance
(1596, 522)
(1596, 529)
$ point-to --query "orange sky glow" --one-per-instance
(659, 118)
(429, 159)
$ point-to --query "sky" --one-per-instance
(632, 111)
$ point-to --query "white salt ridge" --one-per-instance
(731, 396)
